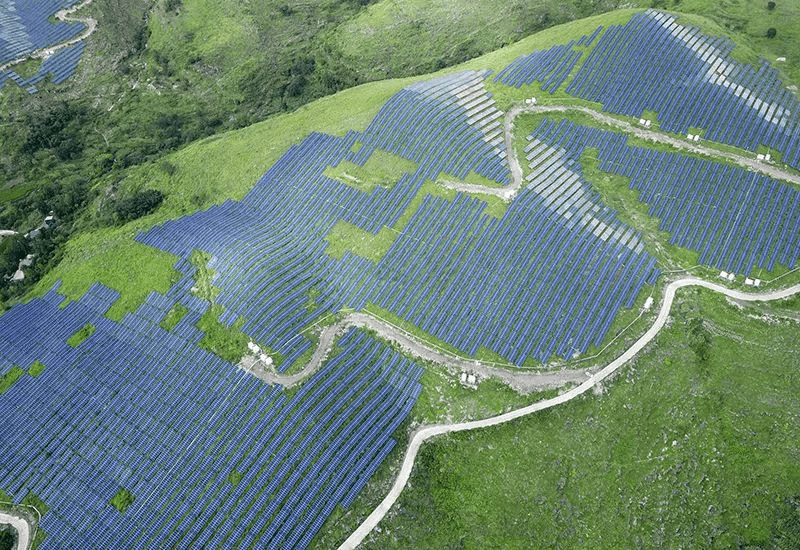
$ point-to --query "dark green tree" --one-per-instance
(8, 539)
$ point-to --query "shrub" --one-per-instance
(122, 500)
(138, 205)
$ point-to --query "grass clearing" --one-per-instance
(229, 343)
(680, 451)
(36, 369)
(381, 169)
(203, 276)
(80, 337)
(114, 259)
(173, 317)
(346, 237)
(122, 500)
(32, 499)
(8, 379)
(235, 477)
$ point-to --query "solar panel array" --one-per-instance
(148, 410)
(738, 220)
(59, 66)
(548, 67)
(25, 26)
(450, 124)
(691, 81)
(568, 281)
(141, 408)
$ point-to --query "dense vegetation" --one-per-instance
(122, 500)
(8, 538)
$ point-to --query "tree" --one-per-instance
(771, 32)
(12, 249)
(8, 540)
(138, 205)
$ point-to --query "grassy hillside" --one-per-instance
(695, 445)
(159, 74)
(226, 166)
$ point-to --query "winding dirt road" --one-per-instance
(66, 16)
(427, 432)
(523, 382)
(508, 192)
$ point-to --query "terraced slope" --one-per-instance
(550, 282)
(210, 455)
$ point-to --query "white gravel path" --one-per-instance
(61, 15)
(427, 432)
(521, 381)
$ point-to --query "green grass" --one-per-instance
(8, 379)
(10, 192)
(382, 168)
(235, 477)
(203, 287)
(173, 317)
(36, 369)
(113, 258)
(344, 236)
(229, 343)
(679, 452)
(616, 193)
(746, 22)
(32, 499)
(122, 500)
(443, 399)
(80, 337)
(418, 37)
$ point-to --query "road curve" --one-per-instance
(651, 135)
(508, 192)
(521, 381)
(61, 15)
(22, 527)
(426, 432)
